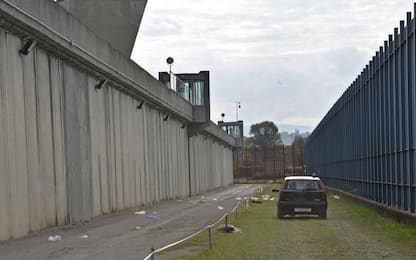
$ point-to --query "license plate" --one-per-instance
(303, 210)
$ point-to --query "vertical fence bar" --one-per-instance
(366, 142)
(293, 158)
(284, 161)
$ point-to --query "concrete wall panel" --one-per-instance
(58, 135)
(45, 135)
(36, 203)
(16, 140)
(4, 174)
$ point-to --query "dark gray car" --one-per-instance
(302, 195)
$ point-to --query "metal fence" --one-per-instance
(366, 143)
(267, 163)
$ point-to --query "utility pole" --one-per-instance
(237, 106)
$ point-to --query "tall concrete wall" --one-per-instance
(70, 152)
(211, 164)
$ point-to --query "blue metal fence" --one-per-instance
(366, 143)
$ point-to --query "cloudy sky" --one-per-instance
(286, 61)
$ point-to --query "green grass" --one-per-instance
(265, 237)
(374, 224)
(254, 221)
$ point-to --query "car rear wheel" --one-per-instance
(323, 215)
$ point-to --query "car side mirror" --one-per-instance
(275, 190)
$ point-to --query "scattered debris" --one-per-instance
(142, 212)
(220, 208)
(137, 228)
(153, 216)
(256, 200)
(229, 228)
(337, 197)
(238, 198)
(215, 199)
(83, 236)
(202, 199)
(54, 238)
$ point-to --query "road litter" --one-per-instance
(220, 208)
(153, 216)
(238, 198)
(215, 199)
(202, 199)
(137, 228)
(142, 212)
(83, 236)
(337, 197)
(229, 228)
(54, 238)
(255, 200)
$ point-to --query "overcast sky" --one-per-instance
(286, 61)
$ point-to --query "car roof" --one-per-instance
(301, 178)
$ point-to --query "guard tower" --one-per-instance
(235, 129)
(193, 87)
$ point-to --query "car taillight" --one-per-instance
(284, 186)
(321, 186)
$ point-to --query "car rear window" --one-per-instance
(302, 185)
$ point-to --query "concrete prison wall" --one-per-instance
(70, 152)
(211, 164)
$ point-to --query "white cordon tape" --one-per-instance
(191, 236)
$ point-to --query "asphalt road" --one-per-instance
(127, 235)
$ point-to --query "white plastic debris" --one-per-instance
(142, 212)
(83, 236)
(220, 208)
(137, 228)
(153, 216)
(202, 199)
(238, 198)
(337, 197)
(215, 199)
(54, 238)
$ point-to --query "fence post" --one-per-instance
(210, 237)
(274, 163)
(264, 163)
(153, 253)
(226, 222)
(284, 161)
(293, 157)
(255, 162)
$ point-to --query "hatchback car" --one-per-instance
(302, 195)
